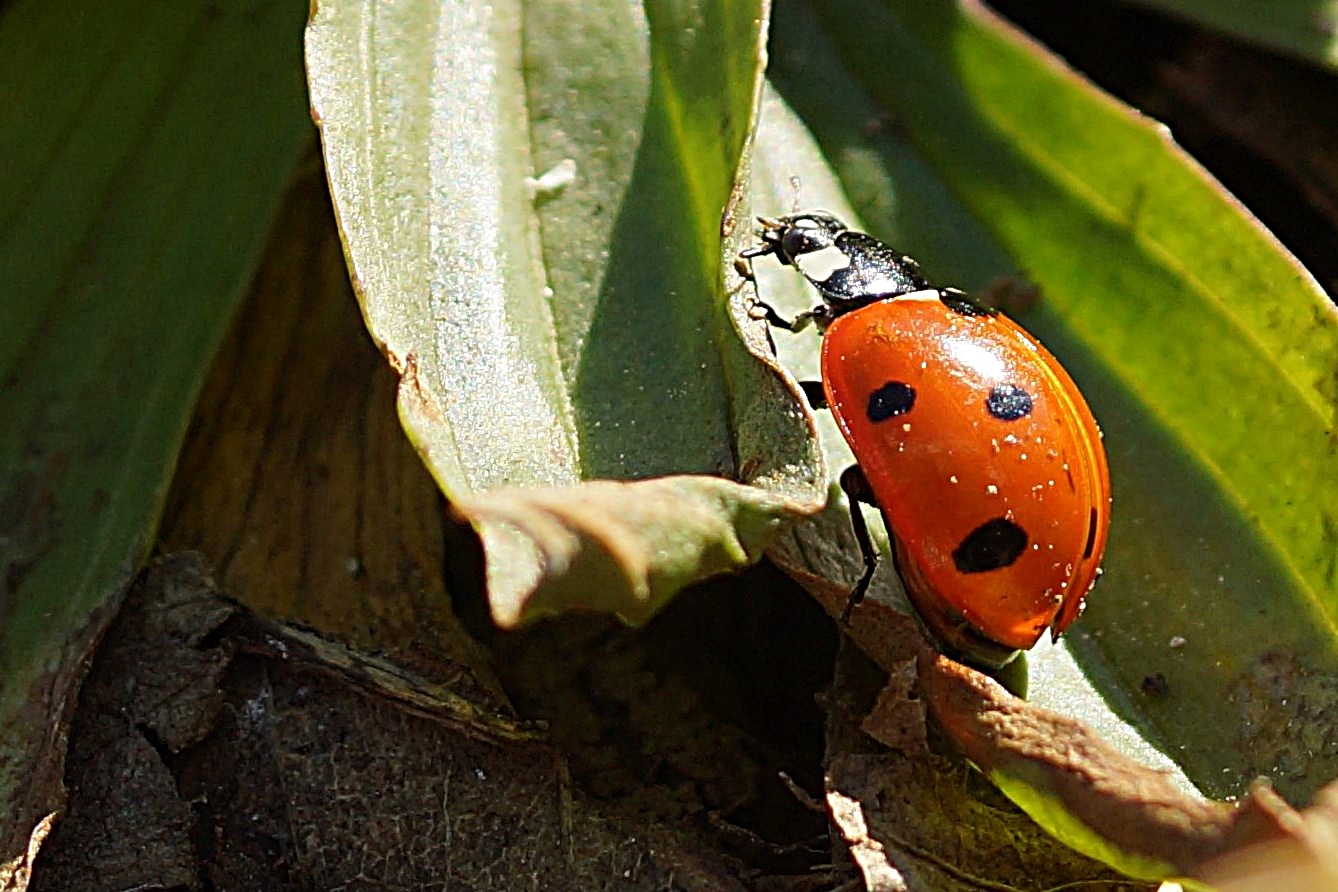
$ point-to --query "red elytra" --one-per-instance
(985, 460)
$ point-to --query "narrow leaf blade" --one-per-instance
(151, 144)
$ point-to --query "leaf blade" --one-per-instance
(140, 210)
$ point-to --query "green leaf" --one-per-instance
(147, 147)
(1303, 28)
(560, 328)
(1205, 350)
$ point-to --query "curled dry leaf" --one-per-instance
(1278, 848)
(17, 872)
(1119, 811)
(621, 547)
(877, 869)
(898, 716)
(1070, 781)
(915, 818)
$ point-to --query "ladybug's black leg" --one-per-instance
(813, 392)
(857, 490)
(817, 315)
(776, 320)
(743, 265)
(743, 261)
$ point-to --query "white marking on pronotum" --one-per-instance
(927, 294)
(819, 265)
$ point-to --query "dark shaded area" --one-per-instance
(694, 718)
(214, 750)
(690, 720)
(152, 690)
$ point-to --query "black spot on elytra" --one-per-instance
(1008, 402)
(892, 399)
(1091, 535)
(994, 544)
(959, 303)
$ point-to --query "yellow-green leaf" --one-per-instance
(1206, 352)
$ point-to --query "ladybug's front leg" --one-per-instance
(776, 320)
(857, 490)
(743, 265)
(817, 315)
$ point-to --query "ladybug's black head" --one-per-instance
(850, 269)
(798, 234)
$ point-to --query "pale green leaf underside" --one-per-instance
(551, 335)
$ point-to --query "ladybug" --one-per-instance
(971, 439)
